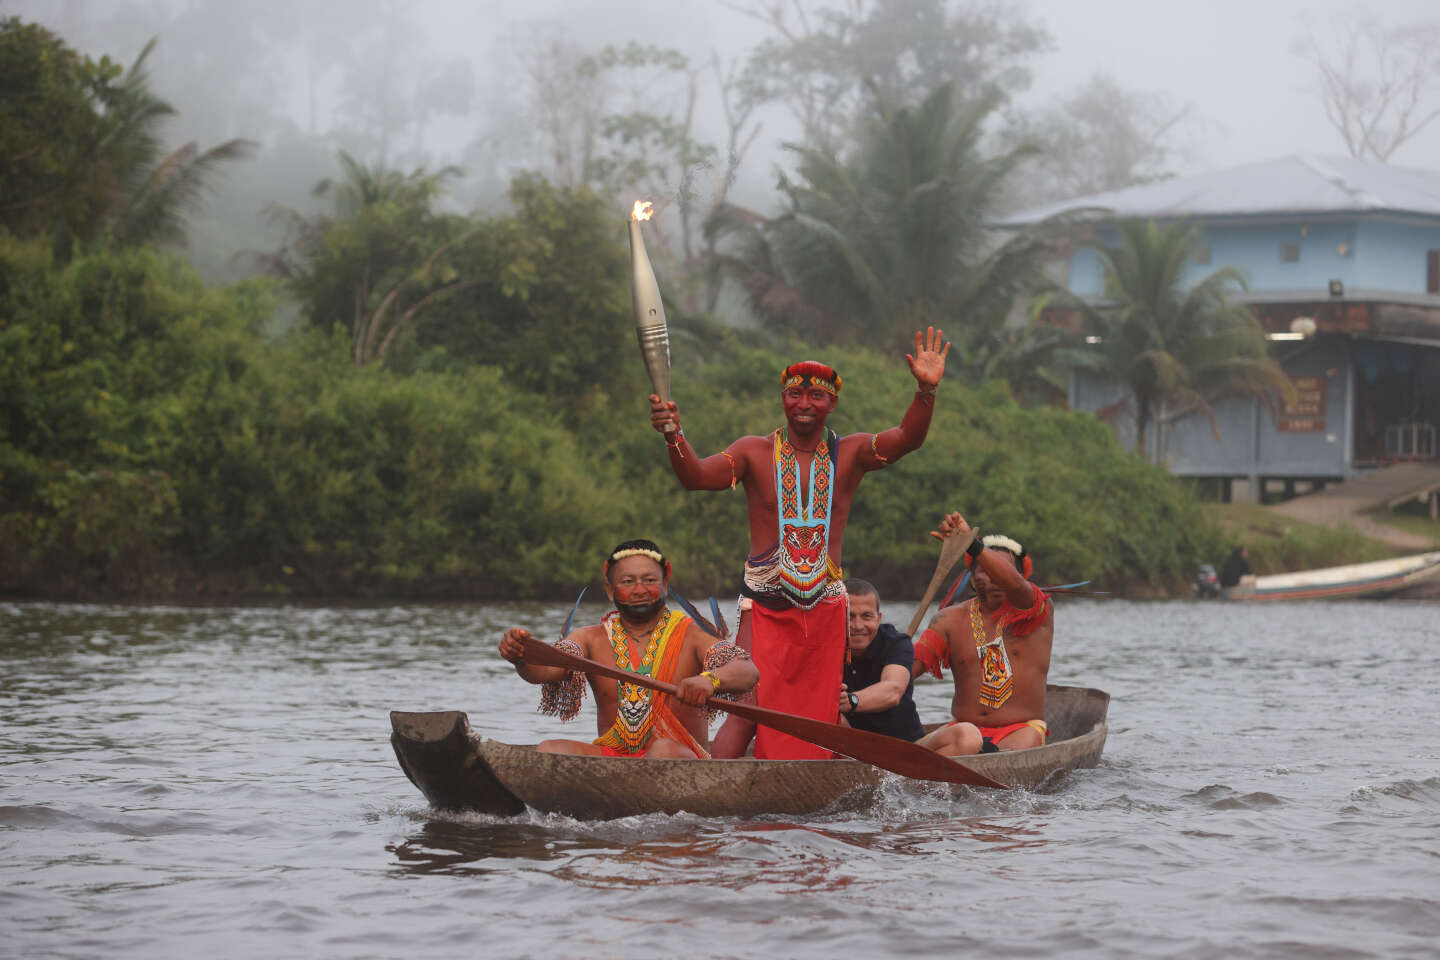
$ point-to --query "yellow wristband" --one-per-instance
(714, 680)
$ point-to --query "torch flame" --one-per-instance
(643, 210)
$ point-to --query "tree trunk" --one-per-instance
(1142, 424)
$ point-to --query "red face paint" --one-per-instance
(806, 408)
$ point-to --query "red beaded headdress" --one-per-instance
(811, 373)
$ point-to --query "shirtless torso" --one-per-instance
(1029, 666)
(750, 461)
(796, 631)
(755, 470)
(594, 643)
(642, 628)
(999, 670)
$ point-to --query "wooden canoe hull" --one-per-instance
(457, 769)
(1378, 579)
(437, 752)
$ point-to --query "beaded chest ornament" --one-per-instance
(996, 682)
(634, 720)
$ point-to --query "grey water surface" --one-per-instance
(218, 782)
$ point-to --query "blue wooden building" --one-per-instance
(1342, 258)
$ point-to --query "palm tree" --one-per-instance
(893, 238)
(379, 261)
(85, 158)
(1035, 359)
(1174, 348)
(145, 193)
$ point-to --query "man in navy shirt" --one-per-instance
(877, 693)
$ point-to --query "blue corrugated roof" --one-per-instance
(1297, 184)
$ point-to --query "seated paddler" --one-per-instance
(877, 693)
(997, 648)
(642, 635)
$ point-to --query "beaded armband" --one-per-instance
(716, 657)
(562, 698)
(726, 455)
(875, 449)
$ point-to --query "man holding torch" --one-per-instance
(799, 481)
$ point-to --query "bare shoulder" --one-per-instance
(854, 444)
(699, 639)
(953, 615)
(1049, 620)
(752, 445)
(590, 638)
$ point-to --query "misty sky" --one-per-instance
(1229, 58)
(1230, 61)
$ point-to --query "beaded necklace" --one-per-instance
(804, 540)
(633, 719)
(996, 683)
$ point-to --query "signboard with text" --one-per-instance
(1305, 412)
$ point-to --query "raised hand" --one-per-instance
(663, 413)
(950, 525)
(928, 362)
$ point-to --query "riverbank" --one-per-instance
(1279, 543)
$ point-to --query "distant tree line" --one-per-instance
(458, 410)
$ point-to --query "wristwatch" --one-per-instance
(854, 701)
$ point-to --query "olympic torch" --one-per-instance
(650, 328)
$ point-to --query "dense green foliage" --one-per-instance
(153, 443)
(83, 155)
(460, 411)
(1280, 544)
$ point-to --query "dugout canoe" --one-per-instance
(457, 769)
(1378, 579)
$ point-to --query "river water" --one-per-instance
(219, 782)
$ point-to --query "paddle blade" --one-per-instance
(950, 552)
(887, 753)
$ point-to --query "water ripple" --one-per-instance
(217, 780)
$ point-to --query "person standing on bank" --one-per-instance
(878, 692)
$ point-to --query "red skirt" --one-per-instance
(800, 655)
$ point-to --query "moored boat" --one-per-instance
(1377, 579)
(457, 769)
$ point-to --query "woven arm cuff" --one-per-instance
(562, 698)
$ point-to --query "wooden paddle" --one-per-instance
(888, 753)
(950, 552)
